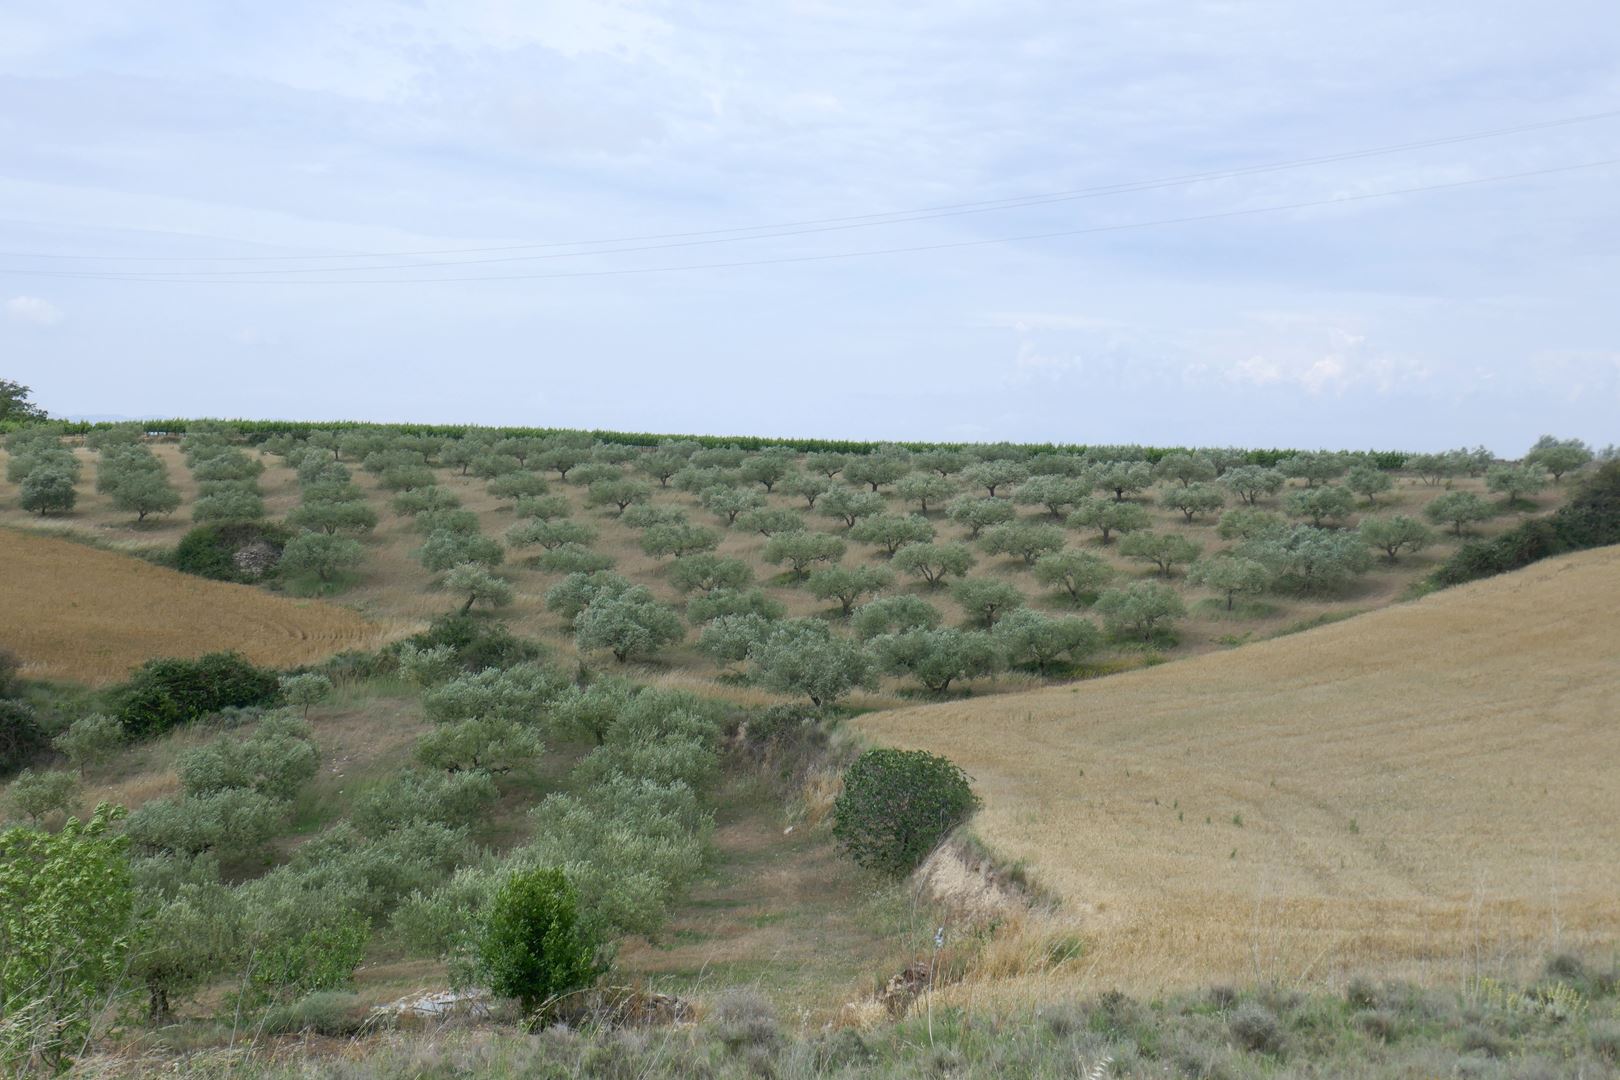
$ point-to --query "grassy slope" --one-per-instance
(1426, 790)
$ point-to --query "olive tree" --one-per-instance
(549, 533)
(979, 513)
(891, 532)
(144, 493)
(629, 624)
(770, 520)
(620, 493)
(1194, 499)
(706, 572)
(1320, 504)
(1559, 456)
(1058, 494)
(937, 658)
(923, 488)
(1024, 539)
(850, 506)
(934, 562)
(1230, 575)
(48, 491)
(474, 582)
(1370, 482)
(727, 502)
(986, 600)
(893, 615)
(802, 550)
(1109, 517)
(1123, 478)
(325, 556)
(1515, 481)
(1033, 639)
(1310, 560)
(1390, 535)
(1314, 467)
(1078, 573)
(678, 540)
(1142, 609)
(877, 470)
(1251, 482)
(803, 657)
(1186, 469)
(808, 486)
(848, 584)
(1458, 509)
(1164, 550)
(444, 549)
(993, 475)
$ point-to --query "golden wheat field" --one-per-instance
(74, 612)
(1429, 791)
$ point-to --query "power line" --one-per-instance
(709, 237)
(950, 245)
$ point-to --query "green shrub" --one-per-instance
(478, 643)
(21, 737)
(897, 805)
(90, 740)
(210, 550)
(165, 693)
(533, 946)
(1591, 518)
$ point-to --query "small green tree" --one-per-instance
(325, 556)
(479, 586)
(934, 562)
(144, 493)
(897, 805)
(444, 550)
(995, 475)
(1186, 469)
(1164, 550)
(1033, 639)
(48, 491)
(629, 624)
(1559, 456)
(1026, 540)
(891, 532)
(90, 740)
(803, 550)
(1515, 481)
(1078, 573)
(534, 945)
(924, 488)
(847, 585)
(1390, 535)
(1230, 576)
(1142, 609)
(985, 600)
(678, 540)
(803, 657)
(850, 506)
(1370, 482)
(39, 794)
(66, 909)
(938, 657)
(727, 502)
(1251, 482)
(1459, 509)
(1320, 504)
(1194, 499)
(1109, 517)
(894, 615)
(978, 514)
(305, 691)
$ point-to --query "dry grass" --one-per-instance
(1427, 791)
(76, 613)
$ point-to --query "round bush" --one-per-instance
(897, 805)
(534, 946)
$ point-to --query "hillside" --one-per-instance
(1426, 791)
(78, 613)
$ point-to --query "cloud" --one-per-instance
(33, 311)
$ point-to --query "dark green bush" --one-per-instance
(479, 643)
(897, 805)
(21, 737)
(534, 946)
(210, 550)
(165, 693)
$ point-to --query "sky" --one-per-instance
(846, 219)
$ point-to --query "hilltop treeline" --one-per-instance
(258, 431)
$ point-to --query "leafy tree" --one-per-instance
(304, 691)
(90, 740)
(1368, 481)
(492, 744)
(1434, 469)
(803, 657)
(550, 533)
(825, 463)
(236, 825)
(1308, 559)
(1559, 456)
(803, 550)
(850, 506)
(646, 515)
(475, 582)
(1032, 639)
(629, 624)
(1390, 535)
(934, 562)
(1194, 499)
(275, 760)
(707, 572)
(727, 502)
(808, 487)
(333, 517)
(992, 475)
(1321, 504)
(620, 492)
(184, 938)
(727, 638)
(572, 559)
(460, 522)
(518, 485)
(165, 693)
(847, 585)
(766, 470)
(891, 532)
(1458, 509)
(143, 493)
(430, 498)
(1314, 467)
(877, 470)
(520, 693)
(48, 491)
(1142, 609)
(923, 488)
(896, 807)
(661, 465)
(38, 794)
(228, 504)
(1250, 523)
(1186, 469)
(938, 657)
(1515, 481)
(1164, 550)
(1251, 482)
(321, 554)
(1058, 494)
(1109, 517)
(1021, 538)
(678, 540)
(979, 514)
(768, 521)
(1078, 573)
(66, 911)
(893, 615)
(533, 945)
(986, 600)
(14, 403)
(1230, 575)
(1123, 478)
(943, 462)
